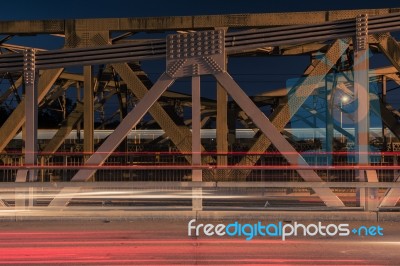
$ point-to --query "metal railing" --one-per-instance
(175, 166)
(162, 180)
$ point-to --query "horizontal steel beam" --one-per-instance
(186, 22)
(150, 184)
(94, 167)
(236, 42)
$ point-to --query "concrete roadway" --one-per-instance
(165, 242)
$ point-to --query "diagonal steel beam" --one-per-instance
(68, 125)
(17, 118)
(179, 135)
(392, 196)
(282, 115)
(274, 135)
(336, 127)
(391, 49)
(73, 118)
(112, 142)
(126, 125)
(10, 90)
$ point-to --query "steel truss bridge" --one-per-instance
(343, 167)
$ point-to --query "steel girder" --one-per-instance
(31, 117)
(179, 135)
(274, 135)
(124, 127)
(88, 107)
(73, 118)
(68, 125)
(112, 142)
(10, 90)
(389, 46)
(197, 175)
(368, 198)
(17, 118)
(184, 22)
(281, 116)
(222, 131)
(391, 49)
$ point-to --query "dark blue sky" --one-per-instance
(51, 9)
(252, 79)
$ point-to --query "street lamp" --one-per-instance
(343, 100)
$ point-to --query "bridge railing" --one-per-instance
(162, 180)
(176, 166)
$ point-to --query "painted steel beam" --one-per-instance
(73, 118)
(282, 115)
(197, 174)
(179, 135)
(240, 41)
(17, 118)
(196, 127)
(391, 197)
(88, 106)
(30, 75)
(112, 142)
(68, 125)
(274, 135)
(336, 127)
(9, 91)
(361, 93)
(31, 114)
(126, 125)
(129, 185)
(185, 22)
(222, 131)
(390, 47)
(186, 184)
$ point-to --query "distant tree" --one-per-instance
(51, 116)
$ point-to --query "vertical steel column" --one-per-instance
(222, 130)
(78, 98)
(31, 124)
(367, 197)
(31, 111)
(88, 113)
(330, 83)
(196, 141)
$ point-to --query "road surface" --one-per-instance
(166, 242)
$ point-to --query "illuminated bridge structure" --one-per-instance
(328, 139)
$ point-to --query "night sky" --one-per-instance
(50, 9)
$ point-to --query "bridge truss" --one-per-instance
(339, 44)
